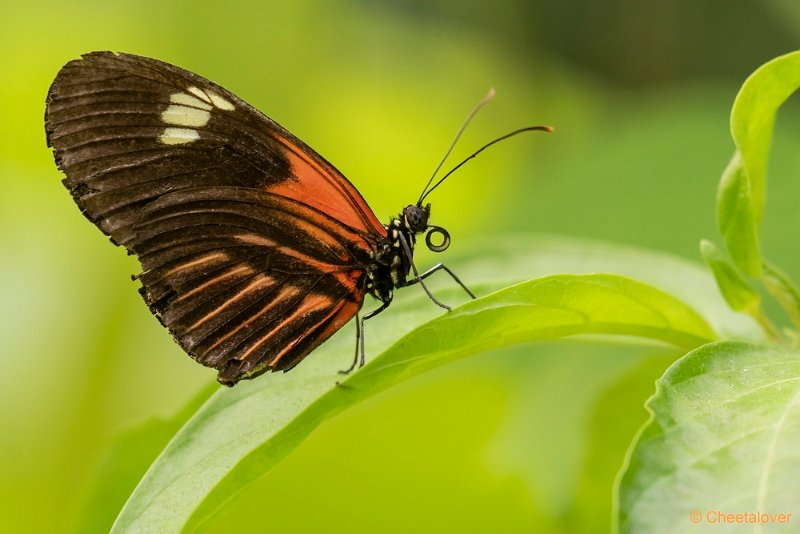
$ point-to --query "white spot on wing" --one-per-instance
(195, 97)
(179, 136)
(196, 91)
(220, 102)
(185, 116)
(188, 111)
(189, 100)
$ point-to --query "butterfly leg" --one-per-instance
(441, 267)
(419, 277)
(360, 338)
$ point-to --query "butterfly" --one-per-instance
(254, 249)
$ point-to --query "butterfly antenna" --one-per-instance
(485, 100)
(481, 149)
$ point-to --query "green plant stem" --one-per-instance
(770, 329)
(783, 290)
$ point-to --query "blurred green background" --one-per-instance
(527, 440)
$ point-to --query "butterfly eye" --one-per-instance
(441, 247)
(416, 218)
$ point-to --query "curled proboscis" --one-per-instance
(445, 239)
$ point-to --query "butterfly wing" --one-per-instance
(253, 247)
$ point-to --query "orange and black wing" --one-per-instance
(253, 247)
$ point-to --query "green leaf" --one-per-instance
(738, 293)
(736, 218)
(241, 433)
(545, 308)
(247, 429)
(722, 439)
(740, 200)
(753, 117)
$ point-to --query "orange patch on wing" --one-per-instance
(349, 279)
(216, 257)
(321, 235)
(287, 293)
(255, 239)
(344, 314)
(341, 314)
(310, 303)
(320, 266)
(326, 190)
(260, 282)
(242, 269)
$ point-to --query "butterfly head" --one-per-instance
(415, 218)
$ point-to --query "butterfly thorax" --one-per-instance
(392, 260)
